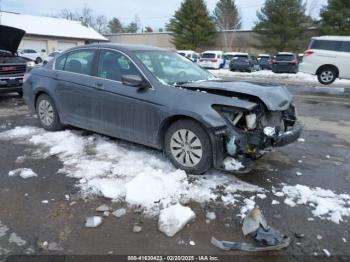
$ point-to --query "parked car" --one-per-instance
(192, 55)
(158, 98)
(328, 57)
(31, 54)
(212, 60)
(12, 67)
(52, 55)
(229, 55)
(285, 62)
(244, 62)
(265, 61)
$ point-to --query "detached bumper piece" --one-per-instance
(289, 136)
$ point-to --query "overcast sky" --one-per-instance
(154, 13)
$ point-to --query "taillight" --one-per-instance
(293, 62)
(26, 76)
(308, 52)
(274, 62)
(214, 60)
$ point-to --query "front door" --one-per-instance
(124, 111)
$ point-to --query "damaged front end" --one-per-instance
(250, 134)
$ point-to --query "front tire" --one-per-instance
(188, 146)
(327, 75)
(47, 113)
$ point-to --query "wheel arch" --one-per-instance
(328, 65)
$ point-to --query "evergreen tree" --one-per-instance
(227, 17)
(115, 26)
(335, 18)
(281, 24)
(192, 26)
(131, 28)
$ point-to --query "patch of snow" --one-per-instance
(300, 161)
(261, 196)
(45, 201)
(298, 173)
(344, 240)
(119, 170)
(248, 205)
(326, 203)
(310, 219)
(192, 243)
(290, 202)
(301, 140)
(119, 212)
(275, 202)
(103, 208)
(269, 131)
(174, 218)
(94, 221)
(319, 237)
(328, 156)
(279, 194)
(14, 238)
(3, 229)
(327, 253)
(231, 164)
(136, 228)
(23, 173)
(211, 216)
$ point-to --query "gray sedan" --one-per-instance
(160, 99)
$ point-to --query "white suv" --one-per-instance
(212, 60)
(328, 57)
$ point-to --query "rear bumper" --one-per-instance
(240, 67)
(285, 69)
(289, 136)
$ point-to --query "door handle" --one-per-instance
(99, 85)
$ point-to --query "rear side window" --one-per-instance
(80, 62)
(325, 45)
(60, 62)
(345, 47)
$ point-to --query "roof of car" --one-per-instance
(332, 37)
(285, 53)
(128, 47)
(264, 55)
(240, 53)
(213, 51)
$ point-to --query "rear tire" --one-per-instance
(188, 146)
(47, 114)
(327, 75)
(38, 60)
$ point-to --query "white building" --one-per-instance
(47, 34)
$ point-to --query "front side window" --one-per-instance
(80, 62)
(325, 45)
(171, 68)
(112, 65)
(60, 62)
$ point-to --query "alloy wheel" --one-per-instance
(46, 113)
(186, 148)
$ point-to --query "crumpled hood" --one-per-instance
(10, 38)
(274, 97)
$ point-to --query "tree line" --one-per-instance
(280, 23)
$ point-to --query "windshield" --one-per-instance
(172, 68)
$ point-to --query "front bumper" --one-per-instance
(10, 84)
(289, 136)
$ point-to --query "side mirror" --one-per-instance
(135, 81)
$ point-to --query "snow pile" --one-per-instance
(124, 172)
(269, 75)
(174, 218)
(23, 173)
(326, 204)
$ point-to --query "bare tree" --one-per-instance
(101, 24)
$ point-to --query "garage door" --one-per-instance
(37, 45)
(65, 45)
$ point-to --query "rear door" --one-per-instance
(75, 87)
(343, 60)
(325, 51)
